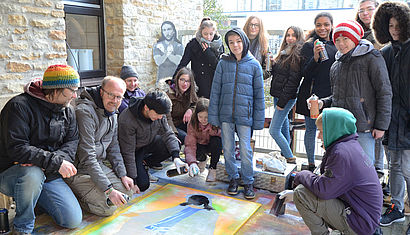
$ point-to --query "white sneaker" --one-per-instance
(211, 175)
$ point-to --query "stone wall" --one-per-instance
(32, 34)
(133, 27)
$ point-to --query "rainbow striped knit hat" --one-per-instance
(60, 76)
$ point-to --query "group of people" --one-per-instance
(97, 151)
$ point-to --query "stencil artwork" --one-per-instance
(175, 209)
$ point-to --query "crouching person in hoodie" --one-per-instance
(96, 184)
(347, 196)
(38, 141)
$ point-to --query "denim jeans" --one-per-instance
(399, 176)
(26, 185)
(367, 142)
(279, 127)
(310, 138)
(228, 143)
(182, 132)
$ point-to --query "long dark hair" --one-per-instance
(191, 93)
(293, 58)
(162, 38)
(201, 106)
(312, 34)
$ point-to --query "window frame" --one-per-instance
(90, 8)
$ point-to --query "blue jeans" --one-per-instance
(399, 176)
(279, 127)
(26, 185)
(228, 143)
(310, 138)
(367, 142)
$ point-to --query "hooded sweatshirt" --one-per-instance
(346, 173)
(237, 94)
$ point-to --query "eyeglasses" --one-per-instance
(184, 81)
(71, 90)
(254, 25)
(368, 10)
(112, 96)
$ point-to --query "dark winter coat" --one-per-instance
(360, 84)
(284, 84)
(316, 74)
(35, 131)
(180, 104)
(136, 131)
(203, 64)
(237, 94)
(397, 58)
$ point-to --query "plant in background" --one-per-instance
(213, 9)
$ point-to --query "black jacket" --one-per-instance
(203, 64)
(397, 57)
(284, 84)
(316, 72)
(34, 131)
(360, 84)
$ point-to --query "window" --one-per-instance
(85, 37)
(273, 4)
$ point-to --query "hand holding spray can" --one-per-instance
(314, 106)
(322, 54)
(268, 61)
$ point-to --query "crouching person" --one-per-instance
(347, 196)
(96, 112)
(38, 141)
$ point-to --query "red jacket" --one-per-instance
(195, 137)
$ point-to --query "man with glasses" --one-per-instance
(38, 142)
(96, 184)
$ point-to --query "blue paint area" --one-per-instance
(164, 225)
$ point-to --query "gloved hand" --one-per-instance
(319, 102)
(287, 194)
(193, 170)
(179, 163)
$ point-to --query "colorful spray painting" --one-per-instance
(175, 209)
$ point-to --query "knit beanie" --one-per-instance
(60, 76)
(350, 29)
(127, 71)
(158, 101)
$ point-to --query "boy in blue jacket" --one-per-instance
(347, 196)
(237, 104)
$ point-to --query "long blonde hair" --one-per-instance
(262, 36)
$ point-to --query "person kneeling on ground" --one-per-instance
(347, 196)
(146, 138)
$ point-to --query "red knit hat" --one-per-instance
(350, 29)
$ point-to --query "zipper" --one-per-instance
(234, 90)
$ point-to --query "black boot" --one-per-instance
(248, 191)
(233, 187)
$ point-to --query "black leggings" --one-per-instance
(214, 147)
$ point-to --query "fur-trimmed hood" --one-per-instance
(382, 17)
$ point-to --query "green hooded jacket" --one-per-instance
(337, 122)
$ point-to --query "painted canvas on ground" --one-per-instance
(175, 209)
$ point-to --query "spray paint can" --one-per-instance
(322, 54)
(4, 221)
(268, 61)
(314, 106)
(174, 172)
(125, 196)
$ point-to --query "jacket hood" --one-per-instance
(364, 47)
(381, 18)
(91, 94)
(337, 122)
(34, 88)
(244, 38)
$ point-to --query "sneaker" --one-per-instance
(156, 166)
(312, 167)
(392, 215)
(211, 175)
(291, 160)
(201, 166)
(152, 178)
(248, 191)
(233, 187)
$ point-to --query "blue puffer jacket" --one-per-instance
(237, 94)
